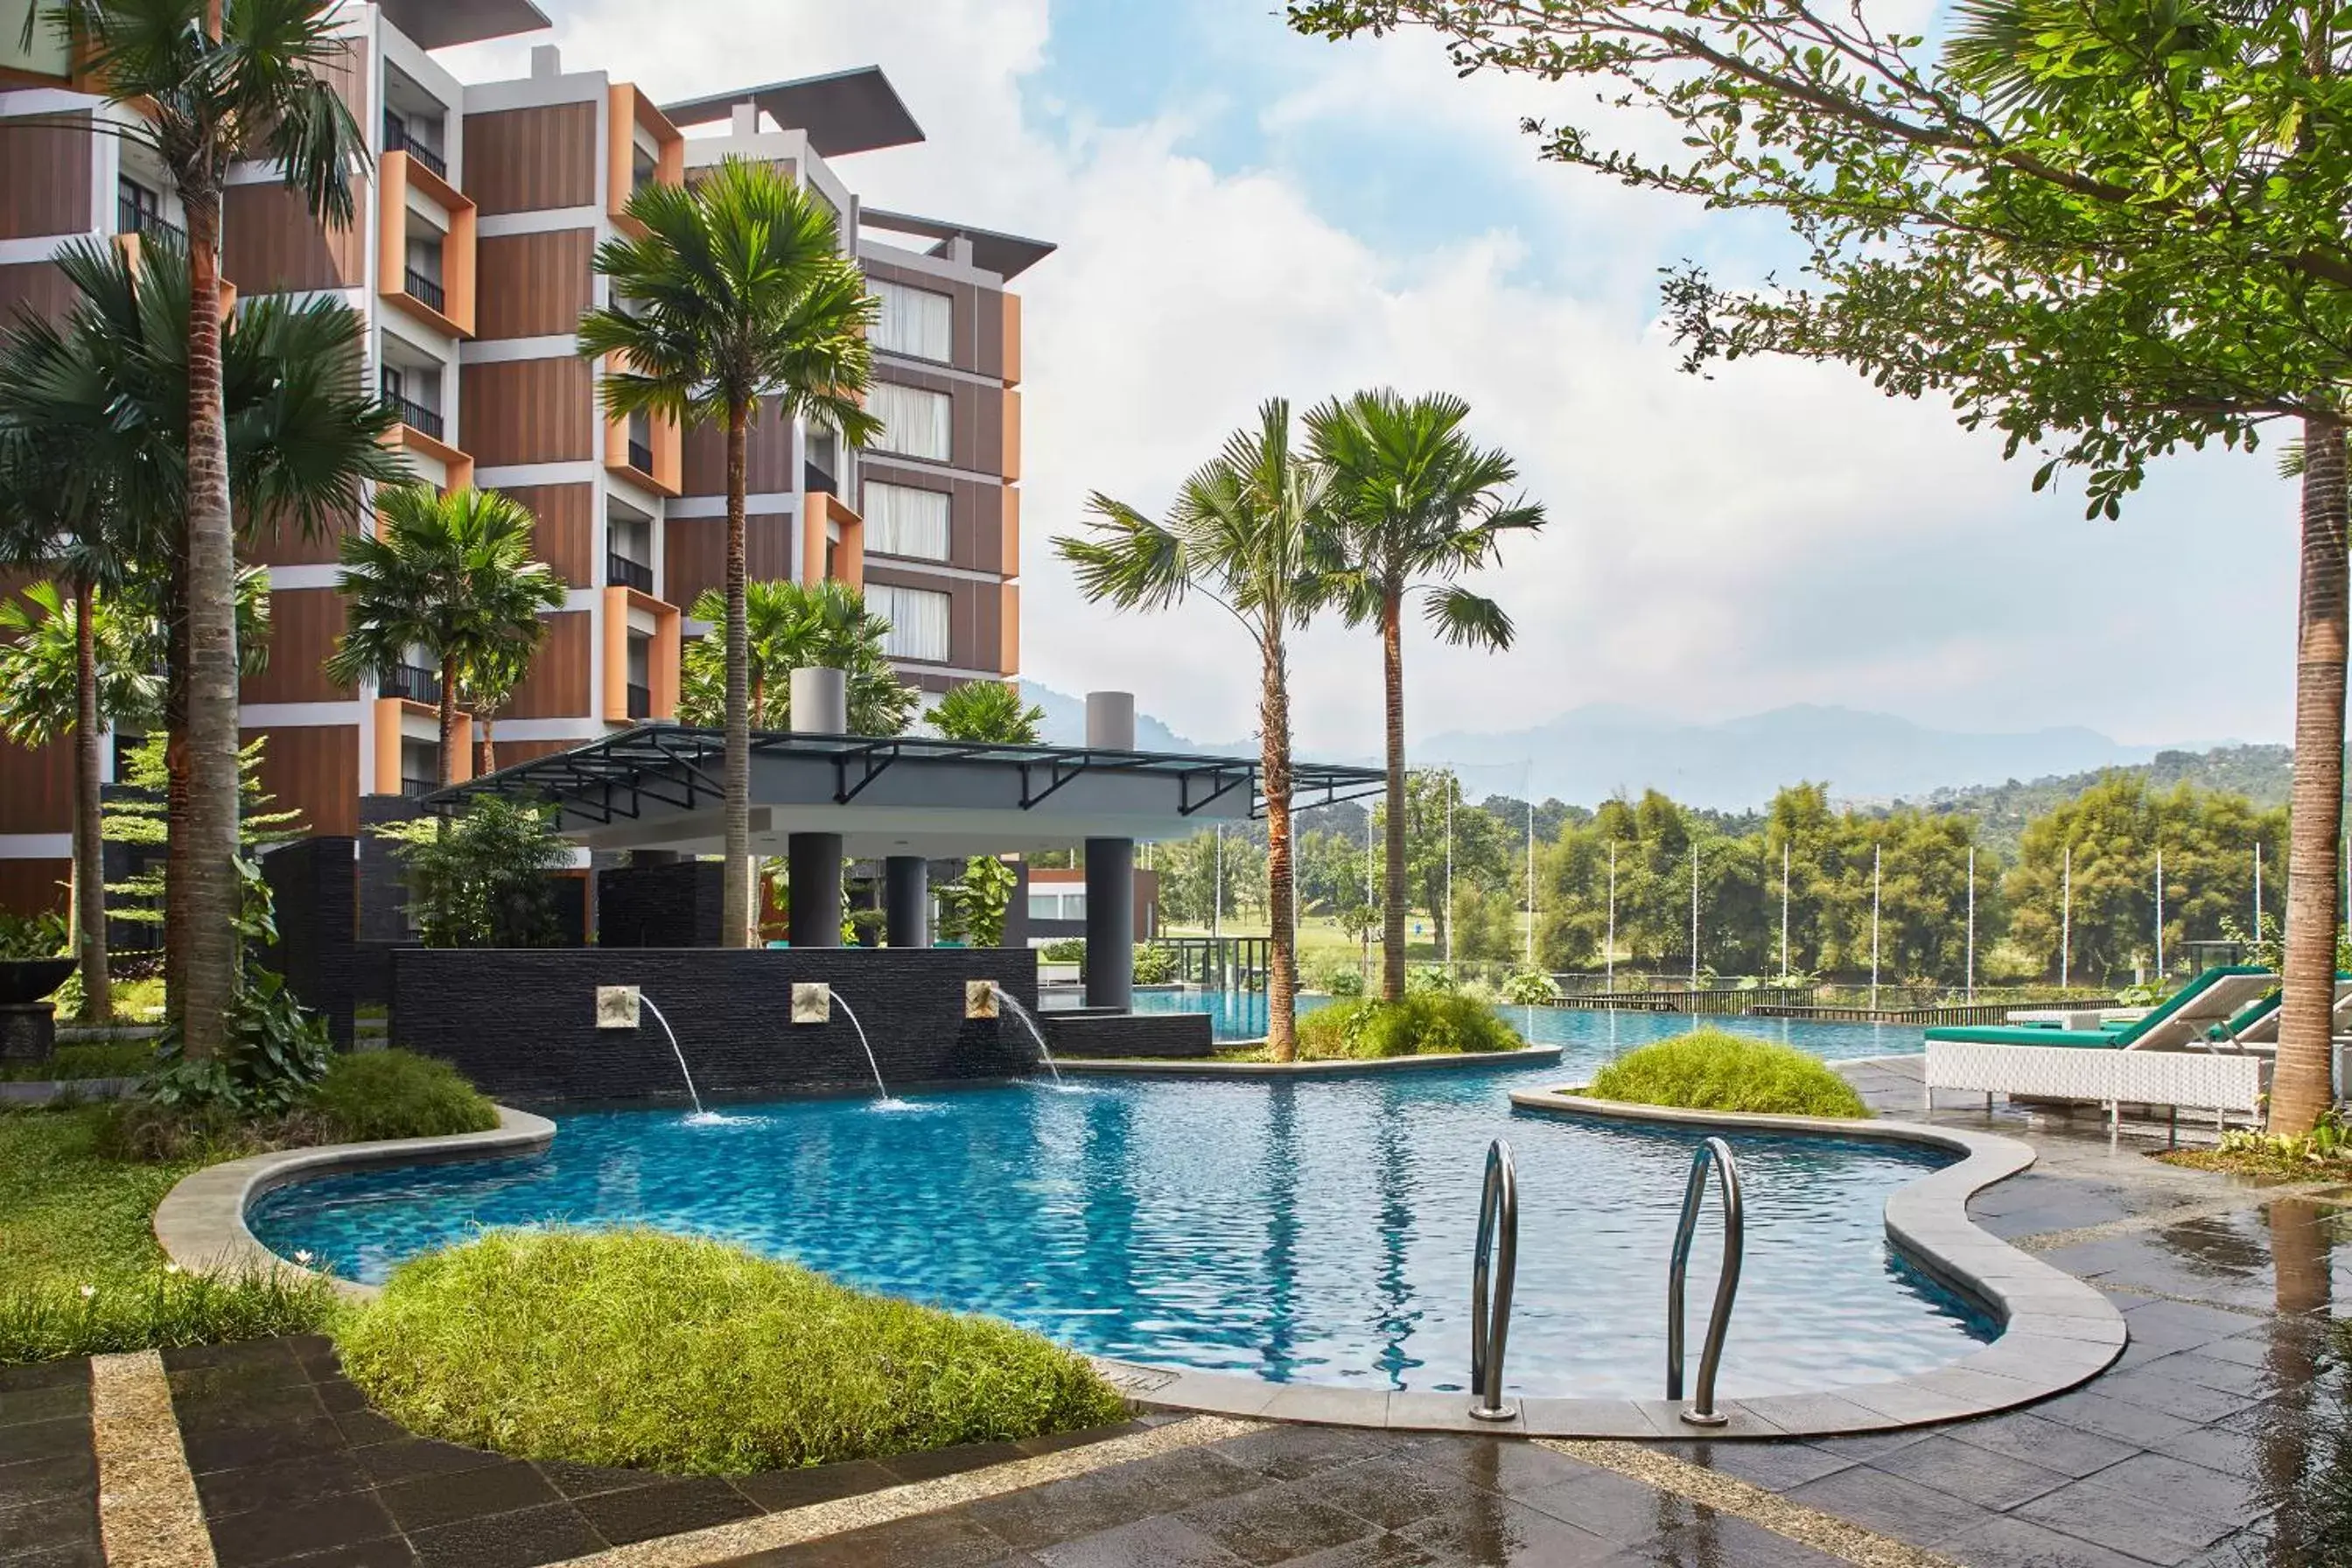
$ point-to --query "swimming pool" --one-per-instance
(1587, 1037)
(1313, 1232)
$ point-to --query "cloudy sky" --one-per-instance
(1243, 213)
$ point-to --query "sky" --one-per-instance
(1241, 213)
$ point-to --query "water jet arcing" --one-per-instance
(880, 1087)
(648, 1003)
(1005, 999)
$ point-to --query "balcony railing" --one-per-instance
(641, 456)
(131, 218)
(816, 480)
(641, 701)
(414, 682)
(415, 415)
(620, 571)
(413, 788)
(425, 289)
(398, 138)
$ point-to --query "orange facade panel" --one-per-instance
(453, 313)
(628, 112)
(1010, 305)
(1008, 652)
(661, 658)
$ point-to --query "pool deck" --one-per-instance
(2221, 1437)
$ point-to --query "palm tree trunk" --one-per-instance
(447, 714)
(735, 882)
(210, 906)
(176, 785)
(1282, 958)
(1393, 896)
(490, 752)
(2303, 1089)
(89, 847)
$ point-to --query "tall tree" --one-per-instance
(450, 574)
(94, 415)
(797, 626)
(2110, 230)
(213, 82)
(736, 291)
(989, 710)
(1417, 506)
(1249, 531)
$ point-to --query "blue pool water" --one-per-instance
(1586, 1038)
(1313, 1231)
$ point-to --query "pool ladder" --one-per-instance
(1493, 1267)
(1716, 1153)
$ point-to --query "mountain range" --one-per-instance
(1591, 752)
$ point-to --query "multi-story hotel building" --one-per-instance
(471, 262)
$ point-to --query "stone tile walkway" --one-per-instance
(2224, 1436)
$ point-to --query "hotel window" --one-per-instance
(914, 423)
(914, 321)
(903, 521)
(918, 621)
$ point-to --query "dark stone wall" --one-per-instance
(314, 894)
(383, 893)
(1089, 1034)
(677, 905)
(522, 1024)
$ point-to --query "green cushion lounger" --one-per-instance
(2212, 998)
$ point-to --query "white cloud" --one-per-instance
(1780, 533)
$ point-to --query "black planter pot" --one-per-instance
(25, 980)
(29, 1022)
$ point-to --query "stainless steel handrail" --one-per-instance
(1714, 1151)
(1493, 1267)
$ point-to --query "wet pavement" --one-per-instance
(2224, 1436)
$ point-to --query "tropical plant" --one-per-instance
(1249, 531)
(480, 879)
(211, 83)
(796, 625)
(1417, 506)
(972, 910)
(38, 935)
(453, 575)
(736, 291)
(1425, 1023)
(74, 666)
(138, 816)
(1530, 988)
(1712, 1070)
(275, 1050)
(989, 711)
(487, 687)
(1154, 965)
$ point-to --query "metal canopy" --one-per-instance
(846, 111)
(1006, 255)
(656, 786)
(439, 24)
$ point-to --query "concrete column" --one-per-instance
(820, 702)
(1110, 922)
(814, 863)
(1110, 720)
(906, 901)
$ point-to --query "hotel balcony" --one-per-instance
(439, 292)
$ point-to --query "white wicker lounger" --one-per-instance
(2221, 1083)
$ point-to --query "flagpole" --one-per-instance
(1784, 914)
(1530, 959)
(2258, 892)
(2066, 921)
(2159, 914)
(1694, 983)
(1972, 923)
(1874, 852)
(1452, 787)
(1608, 953)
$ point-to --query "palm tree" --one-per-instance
(72, 665)
(1416, 506)
(736, 291)
(1249, 532)
(797, 626)
(488, 687)
(94, 413)
(215, 82)
(450, 574)
(988, 711)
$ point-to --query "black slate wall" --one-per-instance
(1107, 1033)
(313, 894)
(677, 905)
(522, 1024)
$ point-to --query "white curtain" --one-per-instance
(914, 423)
(918, 621)
(914, 322)
(901, 519)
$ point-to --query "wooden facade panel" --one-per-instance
(303, 626)
(532, 285)
(566, 533)
(285, 544)
(557, 685)
(507, 754)
(35, 887)
(36, 788)
(47, 187)
(34, 288)
(694, 553)
(313, 769)
(270, 244)
(528, 411)
(767, 457)
(526, 160)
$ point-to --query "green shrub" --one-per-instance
(105, 1058)
(1334, 976)
(1425, 1022)
(1066, 950)
(1154, 965)
(1530, 988)
(676, 1354)
(369, 1095)
(166, 1307)
(39, 935)
(1710, 1069)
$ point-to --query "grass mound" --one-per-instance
(398, 1094)
(1426, 1023)
(668, 1352)
(1712, 1070)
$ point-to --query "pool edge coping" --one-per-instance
(2057, 1332)
(1341, 1067)
(201, 1223)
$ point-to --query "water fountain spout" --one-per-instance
(648, 1003)
(880, 1088)
(1006, 999)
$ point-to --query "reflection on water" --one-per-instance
(2304, 1434)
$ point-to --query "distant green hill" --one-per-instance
(2260, 773)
